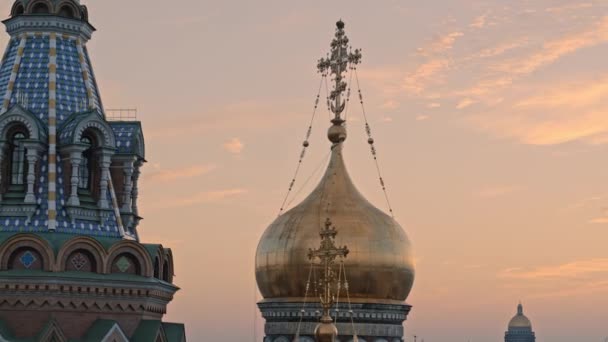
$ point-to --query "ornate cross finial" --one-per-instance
(327, 254)
(340, 57)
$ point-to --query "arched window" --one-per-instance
(166, 272)
(18, 161)
(25, 258)
(86, 165)
(126, 263)
(19, 10)
(40, 8)
(81, 260)
(66, 11)
(156, 268)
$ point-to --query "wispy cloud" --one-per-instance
(580, 94)
(440, 44)
(170, 175)
(202, 198)
(555, 49)
(480, 21)
(426, 74)
(234, 146)
(571, 270)
(464, 103)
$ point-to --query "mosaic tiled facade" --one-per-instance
(71, 264)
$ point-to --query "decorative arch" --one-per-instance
(136, 251)
(17, 9)
(39, 7)
(93, 123)
(168, 270)
(22, 242)
(68, 9)
(88, 247)
(19, 116)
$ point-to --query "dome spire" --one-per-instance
(339, 59)
(520, 309)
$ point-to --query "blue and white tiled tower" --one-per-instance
(47, 82)
(68, 193)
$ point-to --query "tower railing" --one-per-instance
(121, 114)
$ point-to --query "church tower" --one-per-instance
(71, 263)
(520, 328)
(378, 272)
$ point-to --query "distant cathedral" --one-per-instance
(520, 328)
(375, 277)
(72, 267)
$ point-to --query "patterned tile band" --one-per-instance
(13, 77)
(52, 194)
(85, 74)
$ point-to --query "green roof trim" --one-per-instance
(175, 332)
(99, 330)
(147, 331)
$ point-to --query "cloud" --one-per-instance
(555, 49)
(480, 21)
(497, 191)
(234, 146)
(573, 95)
(179, 173)
(545, 130)
(571, 270)
(425, 74)
(434, 105)
(464, 103)
(599, 220)
(422, 117)
(441, 44)
(202, 197)
(499, 49)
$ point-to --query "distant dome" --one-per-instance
(520, 321)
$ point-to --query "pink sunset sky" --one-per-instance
(491, 123)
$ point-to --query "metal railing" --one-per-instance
(121, 114)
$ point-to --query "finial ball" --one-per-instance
(336, 134)
(340, 24)
(305, 143)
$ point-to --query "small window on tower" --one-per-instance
(86, 167)
(19, 10)
(40, 8)
(18, 164)
(66, 11)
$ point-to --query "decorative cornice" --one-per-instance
(46, 24)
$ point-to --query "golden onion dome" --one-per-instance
(520, 321)
(380, 265)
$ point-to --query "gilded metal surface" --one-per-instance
(379, 267)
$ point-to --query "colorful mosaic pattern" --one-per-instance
(27, 259)
(71, 90)
(79, 261)
(55, 79)
(123, 264)
(33, 77)
(7, 65)
(126, 134)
